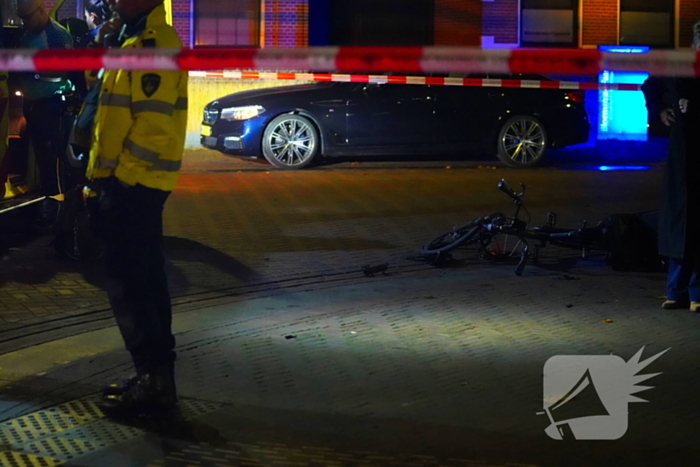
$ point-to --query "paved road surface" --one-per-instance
(289, 355)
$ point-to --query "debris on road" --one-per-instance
(369, 270)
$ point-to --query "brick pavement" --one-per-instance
(430, 368)
(303, 361)
(232, 223)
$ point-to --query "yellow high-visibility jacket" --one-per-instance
(140, 124)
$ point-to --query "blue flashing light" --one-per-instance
(622, 114)
(604, 125)
(620, 49)
(608, 168)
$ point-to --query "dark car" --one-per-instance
(292, 125)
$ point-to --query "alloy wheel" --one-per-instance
(291, 142)
(523, 142)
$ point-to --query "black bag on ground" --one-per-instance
(76, 233)
(632, 242)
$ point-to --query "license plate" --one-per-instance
(206, 130)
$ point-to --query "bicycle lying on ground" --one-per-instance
(500, 237)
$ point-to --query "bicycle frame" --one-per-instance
(512, 226)
(582, 238)
(482, 231)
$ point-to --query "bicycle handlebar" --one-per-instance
(505, 188)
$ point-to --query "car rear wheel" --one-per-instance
(290, 142)
(522, 141)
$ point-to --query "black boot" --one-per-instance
(148, 393)
(117, 389)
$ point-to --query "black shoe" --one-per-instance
(675, 305)
(119, 389)
(146, 394)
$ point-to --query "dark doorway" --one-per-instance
(381, 22)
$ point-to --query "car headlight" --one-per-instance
(242, 113)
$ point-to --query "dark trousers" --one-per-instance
(682, 281)
(132, 224)
(48, 128)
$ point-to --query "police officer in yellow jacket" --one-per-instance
(136, 151)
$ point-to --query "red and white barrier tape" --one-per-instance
(419, 60)
(420, 80)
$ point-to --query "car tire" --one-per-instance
(522, 141)
(290, 142)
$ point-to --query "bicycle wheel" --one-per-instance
(468, 233)
(464, 235)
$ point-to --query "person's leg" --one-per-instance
(111, 228)
(164, 353)
(161, 353)
(694, 290)
(120, 258)
(679, 273)
(45, 127)
(137, 287)
(135, 284)
(156, 348)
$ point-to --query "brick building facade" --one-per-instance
(286, 23)
(600, 22)
(458, 22)
(490, 23)
(486, 23)
(501, 23)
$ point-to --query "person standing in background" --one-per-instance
(677, 103)
(96, 13)
(44, 103)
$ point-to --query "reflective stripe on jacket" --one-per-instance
(140, 124)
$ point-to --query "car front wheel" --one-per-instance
(290, 142)
(522, 141)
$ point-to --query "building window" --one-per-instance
(381, 22)
(549, 23)
(227, 23)
(647, 22)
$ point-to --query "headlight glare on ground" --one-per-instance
(242, 113)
